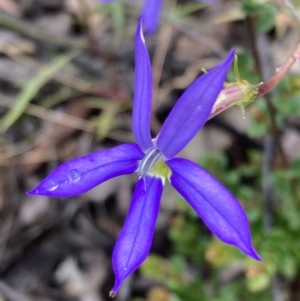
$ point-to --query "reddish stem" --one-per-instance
(280, 72)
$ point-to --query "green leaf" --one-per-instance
(32, 87)
(118, 20)
(266, 18)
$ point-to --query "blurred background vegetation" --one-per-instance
(66, 89)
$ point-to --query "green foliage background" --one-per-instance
(203, 268)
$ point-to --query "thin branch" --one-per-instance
(162, 46)
(281, 72)
(271, 143)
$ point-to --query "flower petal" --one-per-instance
(143, 92)
(150, 15)
(135, 240)
(215, 205)
(192, 110)
(80, 175)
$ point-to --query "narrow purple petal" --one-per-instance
(135, 240)
(80, 175)
(216, 206)
(192, 110)
(150, 15)
(143, 92)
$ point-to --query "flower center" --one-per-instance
(153, 164)
(160, 169)
(148, 161)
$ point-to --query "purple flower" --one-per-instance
(151, 12)
(154, 161)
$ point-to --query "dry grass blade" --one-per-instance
(34, 32)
